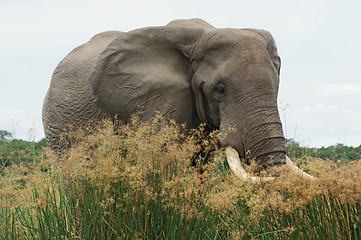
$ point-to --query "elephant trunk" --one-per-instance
(258, 137)
(263, 136)
(262, 140)
(267, 147)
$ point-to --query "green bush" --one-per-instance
(17, 151)
(337, 153)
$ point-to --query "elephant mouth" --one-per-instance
(236, 167)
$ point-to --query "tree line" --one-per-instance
(337, 153)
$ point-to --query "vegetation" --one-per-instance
(150, 181)
(338, 153)
(5, 135)
(17, 151)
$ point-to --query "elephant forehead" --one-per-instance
(221, 39)
(229, 62)
(231, 45)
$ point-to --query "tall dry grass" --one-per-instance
(152, 180)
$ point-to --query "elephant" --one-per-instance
(188, 71)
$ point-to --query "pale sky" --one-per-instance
(319, 42)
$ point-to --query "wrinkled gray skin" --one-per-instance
(188, 71)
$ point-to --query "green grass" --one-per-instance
(127, 218)
(139, 183)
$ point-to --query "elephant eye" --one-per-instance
(219, 91)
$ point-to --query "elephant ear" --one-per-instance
(147, 70)
(271, 47)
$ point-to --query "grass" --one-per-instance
(150, 181)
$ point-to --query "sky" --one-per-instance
(319, 42)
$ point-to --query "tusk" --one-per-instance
(236, 167)
(297, 169)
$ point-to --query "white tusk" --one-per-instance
(297, 169)
(236, 167)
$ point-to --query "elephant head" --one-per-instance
(192, 72)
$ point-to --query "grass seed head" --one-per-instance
(160, 160)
